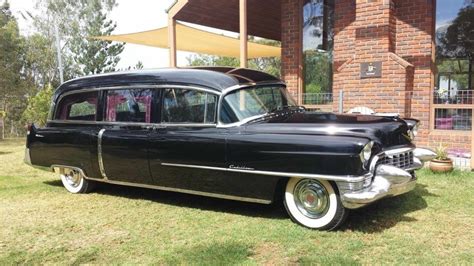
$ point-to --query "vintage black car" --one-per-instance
(223, 132)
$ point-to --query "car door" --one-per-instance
(123, 139)
(188, 144)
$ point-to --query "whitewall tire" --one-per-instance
(74, 181)
(314, 203)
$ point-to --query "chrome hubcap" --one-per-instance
(311, 198)
(72, 177)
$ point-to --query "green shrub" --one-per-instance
(38, 107)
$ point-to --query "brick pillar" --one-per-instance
(291, 44)
(415, 43)
(398, 33)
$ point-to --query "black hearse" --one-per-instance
(223, 132)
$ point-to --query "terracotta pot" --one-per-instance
(441, 166)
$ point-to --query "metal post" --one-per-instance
(472, 141)
(341, 101)
(172, 41)
(243, 34)
(58, 51)
(471, 60)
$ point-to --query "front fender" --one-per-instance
(305, 154)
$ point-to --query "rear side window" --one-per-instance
(132, 105)
(78, 106)
(188, 106)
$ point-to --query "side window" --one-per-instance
(188, 106)
(133, 105)
(78, 106)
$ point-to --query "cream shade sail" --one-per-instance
(194, 40)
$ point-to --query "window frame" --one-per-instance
(435, 106)
(56, 105)
(160, 107)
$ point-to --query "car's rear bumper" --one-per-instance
(27, 158)
(387, 181)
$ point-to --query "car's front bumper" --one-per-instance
(387, 181)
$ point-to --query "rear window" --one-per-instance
(78, 106)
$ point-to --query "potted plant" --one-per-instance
(441, 163)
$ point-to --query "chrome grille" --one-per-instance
(402, 160)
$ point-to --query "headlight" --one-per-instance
(413, 131)
(366, 152)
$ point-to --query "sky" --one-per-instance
(130, 16)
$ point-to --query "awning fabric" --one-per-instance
(194, 40)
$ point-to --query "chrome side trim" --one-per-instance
(180, 190)
(153, 125)
(348, 178)
(135, 86)
(138, 86)
(243, 121)
(99, 153)
(186, 191)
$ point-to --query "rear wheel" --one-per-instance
(314, 204)
(74, 181)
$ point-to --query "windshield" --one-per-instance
(254, 101)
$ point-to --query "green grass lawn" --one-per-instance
(42, 223)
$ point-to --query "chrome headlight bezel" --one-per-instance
(366, 152)
(412, 132)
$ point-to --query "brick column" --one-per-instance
(400, 35)
(291, 44)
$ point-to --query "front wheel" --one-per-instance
(314, 204)
(74, 181)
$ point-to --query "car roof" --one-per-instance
(214, 78)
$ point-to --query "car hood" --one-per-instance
(386, 131)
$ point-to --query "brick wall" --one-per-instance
(399, 33)
(291, 44)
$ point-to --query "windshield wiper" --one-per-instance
(283, 107)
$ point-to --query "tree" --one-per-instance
(78, 20)
(38, 106)
(14, 86)
(457, 40)
(270, 65)
(94, 56)
(317, 71)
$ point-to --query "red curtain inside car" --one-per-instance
(114, 100)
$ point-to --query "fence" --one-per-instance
(450, 114)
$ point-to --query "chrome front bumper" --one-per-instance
(387, 181)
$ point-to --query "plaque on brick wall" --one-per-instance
(371, 70)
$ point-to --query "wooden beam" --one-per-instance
(174, 10)
(180, 4)
(243, 33)
(172, 41)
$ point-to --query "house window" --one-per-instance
(453, 93)
(317, 48)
